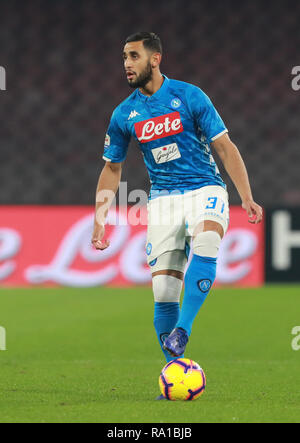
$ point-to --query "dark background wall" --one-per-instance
(65, 76)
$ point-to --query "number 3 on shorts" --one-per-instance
(213, 203)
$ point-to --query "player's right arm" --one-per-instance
(115, 151)
(215, 131)
(107, 188)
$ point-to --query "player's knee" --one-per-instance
(166, 288)
(207, 244)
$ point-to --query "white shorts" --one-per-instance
(172, 220)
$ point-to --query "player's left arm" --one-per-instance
(236, 169)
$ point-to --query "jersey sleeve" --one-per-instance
(116, 141)
(206, 115)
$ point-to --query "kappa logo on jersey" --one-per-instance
(158, 127)
(133, 114)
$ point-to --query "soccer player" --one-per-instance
(176, 125)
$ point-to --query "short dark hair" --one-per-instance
(150, 40)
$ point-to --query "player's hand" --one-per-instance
(254, 211)
(97, 238)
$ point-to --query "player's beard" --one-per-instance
(142, 79)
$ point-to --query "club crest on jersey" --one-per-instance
(158, 127)
(176, 103)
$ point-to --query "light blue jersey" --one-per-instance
(174, 128)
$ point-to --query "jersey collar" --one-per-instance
(158, 93)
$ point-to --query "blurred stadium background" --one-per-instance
(64, 77)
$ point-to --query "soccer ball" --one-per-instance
(182, 379)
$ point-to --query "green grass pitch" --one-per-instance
(90, 355)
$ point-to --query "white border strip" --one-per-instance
(219, 135)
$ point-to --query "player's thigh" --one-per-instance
(166, 229)
(208, 225)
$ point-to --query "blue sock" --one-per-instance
(199, 278)
(165, 318)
